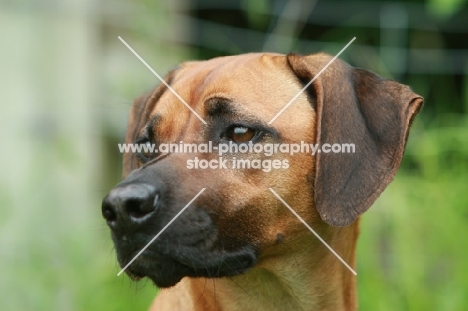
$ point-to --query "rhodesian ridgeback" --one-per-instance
(237, 246)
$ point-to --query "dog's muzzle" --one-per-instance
(139, 207)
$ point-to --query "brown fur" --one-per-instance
(294, 270)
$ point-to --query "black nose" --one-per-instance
(130, 205)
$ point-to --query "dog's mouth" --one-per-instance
(134, 275)
(163, 272)
(167, 271)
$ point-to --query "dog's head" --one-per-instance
(237, 220)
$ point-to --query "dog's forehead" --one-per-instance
(249, 80)
(232, 76)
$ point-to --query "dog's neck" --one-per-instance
(310, 278)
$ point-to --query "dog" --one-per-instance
(237, 246)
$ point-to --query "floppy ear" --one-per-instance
(355, 106)
(139, 116)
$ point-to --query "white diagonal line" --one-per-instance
(162, 80)
(315, 233)
(162, 230)
(307, 85)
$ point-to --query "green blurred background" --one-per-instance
(67, 84)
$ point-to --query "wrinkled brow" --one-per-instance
(220, 106)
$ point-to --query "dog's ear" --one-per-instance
(355, 106)
(139, 116)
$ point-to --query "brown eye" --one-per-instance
(241, 134)
(146, 151)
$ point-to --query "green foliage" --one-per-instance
(445, 8)
(412, 250)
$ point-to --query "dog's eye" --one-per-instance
(241, 134)
(146, 151)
